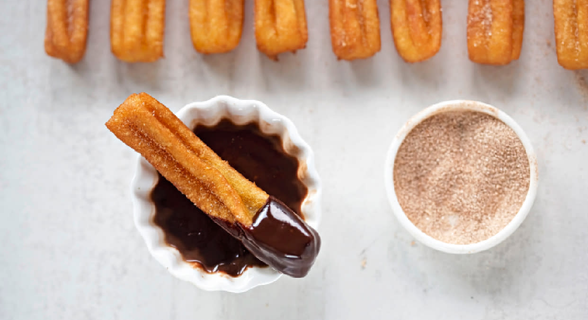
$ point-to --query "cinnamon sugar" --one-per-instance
(461, 176)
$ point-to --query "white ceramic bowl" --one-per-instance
(210, 113)
(416, 232)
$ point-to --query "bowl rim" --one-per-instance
(145, 179)
(455, 105)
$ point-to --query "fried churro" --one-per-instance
(280, 26)
(236, 204)
(417, 28)
(67, 29)
(495, 30)
(136, 29)
(571, 33)
(518, 27)
(216, 25)
(355, 28)
(156, 133)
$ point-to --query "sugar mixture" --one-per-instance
(461, 176)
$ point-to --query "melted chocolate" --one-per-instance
(278, 237)
(261, 159)
(196, 236)
(281, 238)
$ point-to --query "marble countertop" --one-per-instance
(69, 249)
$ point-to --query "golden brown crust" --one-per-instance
(518, 27)
(495, 30)
(67, 29)
(136, 29)
(216, 25)
(571, 33)
(182, 158)
(355, 28)
(417, 28)
(280, 26)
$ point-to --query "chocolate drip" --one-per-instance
(279, 238)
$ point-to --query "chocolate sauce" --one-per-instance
(278, 237)
(196, 236)
(261, 159)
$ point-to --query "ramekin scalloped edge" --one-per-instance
(210, 113)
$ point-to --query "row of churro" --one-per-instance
(216, 25)
(137, 27)
(355, 28)
(494, 28)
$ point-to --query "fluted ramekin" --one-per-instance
(210, 113)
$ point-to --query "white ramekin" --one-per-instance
(210, 113)
(455, 105)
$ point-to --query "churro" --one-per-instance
(518, 27)
(236, 204)
(355, 28)
(136, 29)
(67, 29)
(216, 25)
(280, 26)
(156, 133)
(571, 33)
(495, 30)
(417, 28)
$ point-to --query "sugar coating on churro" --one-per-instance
(67, 29)
(216, 25)
(136, 29)
(280, 26)
(355, 28)
(571, 33)
(495, 30)
(417, 28)
(182, 158)
(518, 28)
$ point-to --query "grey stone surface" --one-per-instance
(68, 246)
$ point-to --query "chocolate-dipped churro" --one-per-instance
(267, 227)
